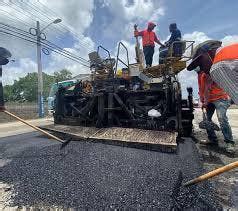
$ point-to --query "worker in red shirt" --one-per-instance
(211, 95)
(148, 40)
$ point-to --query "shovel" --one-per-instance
(188, 187)
(206, 124)
(212, 173)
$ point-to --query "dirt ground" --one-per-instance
(214, 157)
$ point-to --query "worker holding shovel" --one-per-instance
(211, 95)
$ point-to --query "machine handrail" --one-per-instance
(109, 55)
(183, 41)
(108, 52)
(118, 59)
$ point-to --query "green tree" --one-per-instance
(62, 75)
(25, 88)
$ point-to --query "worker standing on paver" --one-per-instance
(211, 95)
(176, 48)
(148, 40)
(224, 70)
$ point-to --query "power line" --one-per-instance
(30, 15)
(16, 20)
(38, 10)
(43, 44)
(16, 9)
(52, 44)
(19, 10)
(15, 28)
(42, 41)
(55, 14)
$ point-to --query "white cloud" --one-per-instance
(141, 9)
(125, 14)
(196, 36)
(11, 73)
(76, 16)
(23, 15)
(229, 39)
(58, 62)
(131, 52)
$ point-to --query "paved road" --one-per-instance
(95, 175)
(16, 128)
(34, 169)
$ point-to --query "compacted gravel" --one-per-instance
(96, 175)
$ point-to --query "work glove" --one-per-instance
(136, 33)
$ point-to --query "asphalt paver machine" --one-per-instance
(128, 98)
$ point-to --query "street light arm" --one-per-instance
(58, 20)
(46, 27)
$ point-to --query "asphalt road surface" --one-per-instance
(96, 175)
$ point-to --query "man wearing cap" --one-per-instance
(211, 95)
(177, 48)
(148, 40)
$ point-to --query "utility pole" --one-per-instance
(40, 77)
(38, 33)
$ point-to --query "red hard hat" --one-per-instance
(151, 24)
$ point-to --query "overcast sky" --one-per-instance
(87, 24)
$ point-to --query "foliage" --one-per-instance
(25, 88)
(62, 75)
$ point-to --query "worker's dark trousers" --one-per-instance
(221, 107)
(148, 53)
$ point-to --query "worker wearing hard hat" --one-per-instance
(211, 95)
(148, 40)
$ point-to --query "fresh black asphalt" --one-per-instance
(99, 176)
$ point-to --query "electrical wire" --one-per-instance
(50, 11)
(37, 10)
(29, 15)
(15, 28)
(20, 10)
(52, 45)
(47, 46)
(16, 20)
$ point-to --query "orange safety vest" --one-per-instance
(148, 38)
(209, 91)
(229, 52)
